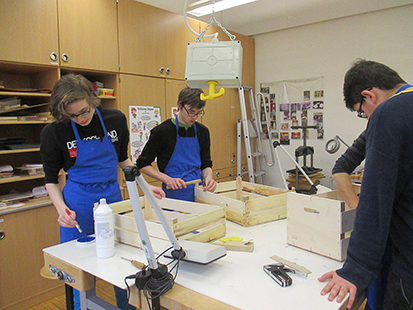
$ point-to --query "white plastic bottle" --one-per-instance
(104, 230)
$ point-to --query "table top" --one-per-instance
(237, 279)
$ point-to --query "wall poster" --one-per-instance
(141, 121)
(294, 103)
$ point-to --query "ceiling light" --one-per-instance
(218, 6)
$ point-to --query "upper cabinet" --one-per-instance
(88, 34)
(28, 31)
(31, 31)
(152, 41)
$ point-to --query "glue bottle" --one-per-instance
(104, 230)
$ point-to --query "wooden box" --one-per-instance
(319, 223)
(188, 220)
(247, 203)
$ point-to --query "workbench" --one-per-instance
(236, 281)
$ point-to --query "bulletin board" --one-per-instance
(141, 121)
(293, 103)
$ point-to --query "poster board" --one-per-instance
(293, 103)
(141, 121)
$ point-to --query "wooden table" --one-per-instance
(236, 281)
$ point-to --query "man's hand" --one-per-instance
(338, 287)
(175, 183)
(157, 191)
(210, 185)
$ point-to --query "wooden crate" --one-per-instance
(188, 220)
(252, 204)
(320, 223)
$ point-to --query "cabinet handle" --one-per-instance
(2, 235)
(53, 56)
(161, 70)
(217, 174)
(233, 161)
(168, 71)
(65, 57)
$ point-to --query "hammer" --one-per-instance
(188, 183)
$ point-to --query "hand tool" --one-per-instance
(77, 225)
(135, 263)
(279, 273)
(188, 183)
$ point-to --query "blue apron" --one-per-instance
(185, 164)
(93, 176)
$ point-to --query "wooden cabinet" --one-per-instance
(19, 123)
(109, 80)
(88, 34)
(25, 234)
(31, 31)
(152, 41)
(28, 31)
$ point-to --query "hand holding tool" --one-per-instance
(188, 183)
(77, 225)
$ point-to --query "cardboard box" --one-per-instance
(254, 205)
(188, 220)
(320, 223)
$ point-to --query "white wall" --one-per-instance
(328, 49)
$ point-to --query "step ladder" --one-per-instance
(251, 129)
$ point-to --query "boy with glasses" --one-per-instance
(181, 146)
(385, 208)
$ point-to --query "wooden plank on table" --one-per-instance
(266, 203)
(262, 189)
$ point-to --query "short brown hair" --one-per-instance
(70, 88)
(192, 97)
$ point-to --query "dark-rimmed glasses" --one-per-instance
(360, 112)
(193, 114)
(73, 116)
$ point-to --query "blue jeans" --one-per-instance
(398, 294)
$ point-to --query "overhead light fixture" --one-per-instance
(201, 8)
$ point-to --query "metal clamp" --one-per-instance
(61, 275)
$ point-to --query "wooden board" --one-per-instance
(256, 203)
(188, 220)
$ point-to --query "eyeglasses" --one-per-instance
(73, 116)
(360, 112)
(193, 114)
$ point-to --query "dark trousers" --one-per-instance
(398, 294)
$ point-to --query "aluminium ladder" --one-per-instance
(251, 129)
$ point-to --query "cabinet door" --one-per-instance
(26, 233)
(88, 34)
(172, 88)
(218, 120)
(141, 38)
(28, 31)
(152, 41)
(141, 91)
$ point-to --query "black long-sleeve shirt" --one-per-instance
(58, 141)
(162, 140)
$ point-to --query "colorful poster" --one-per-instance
(141, 121)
